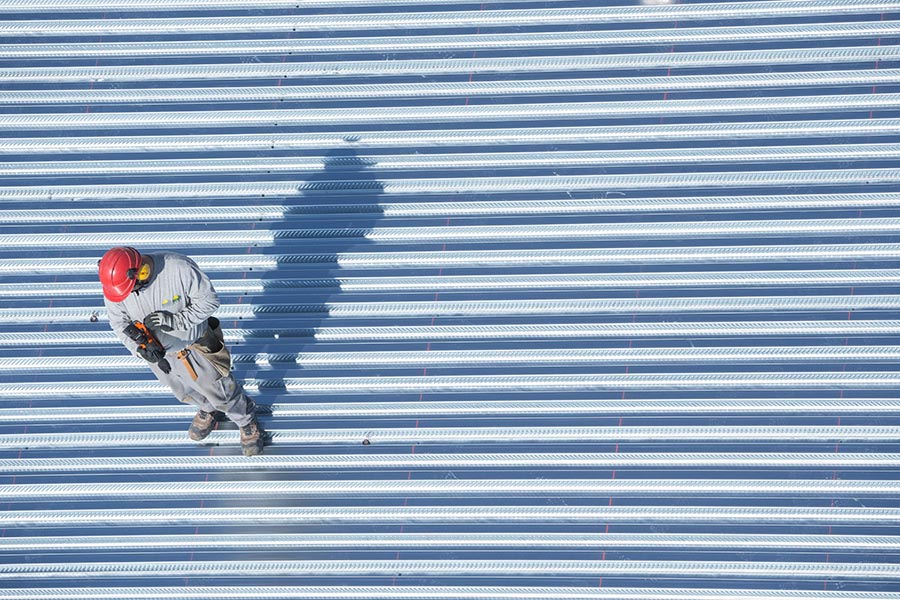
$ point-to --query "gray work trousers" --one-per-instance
(211, 391)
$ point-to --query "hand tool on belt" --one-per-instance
(183, 357)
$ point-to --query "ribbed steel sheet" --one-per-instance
(448, 19)
(498, 208)
(704, 460)
(511, 282)
(569, 64)
(454, 435)
(462, 41)
(454, 540)
(435, 408)
(595, 231)
(683, 12)
(498, 137)
(561, 488)
(713, 329)
(539, 299)
(462, 89)
(505, 160)
(271, 118)
(461, 515)
(41, 6)
(492, 357)
(430, 568)
(474, 592)
(493, 308)
(456, 258)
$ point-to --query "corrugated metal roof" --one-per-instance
(541, 300)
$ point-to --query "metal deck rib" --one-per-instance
(451, 435)
(517, 461)
(479, 568)
(447, 19)
(483, 517)
(462, 41)
(439, 540)
(490, 88)
(506, 160)
(325, 410)
(492, 358)
(783, 106)
(456, 258)
(550, 331)
(478, 592)
(540, 299)
(511, 282)
(443, 67)
(181, 142)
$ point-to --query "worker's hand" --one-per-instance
(151, 353)
(161, 319)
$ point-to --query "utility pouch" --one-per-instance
(212, 346)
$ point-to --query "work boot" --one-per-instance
(203, 423)
(251, 438)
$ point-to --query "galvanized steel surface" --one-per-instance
(474, 592)
(540, 299)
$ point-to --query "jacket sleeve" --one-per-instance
(200, 301)
(118, 321)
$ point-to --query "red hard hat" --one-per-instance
(118, 272)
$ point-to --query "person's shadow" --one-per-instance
(333, 211)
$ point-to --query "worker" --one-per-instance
(175, 300)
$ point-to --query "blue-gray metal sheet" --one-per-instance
(540, 299)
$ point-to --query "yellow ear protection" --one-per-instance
(142, 275)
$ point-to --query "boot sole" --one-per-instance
(254, 450)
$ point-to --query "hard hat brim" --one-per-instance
(119, 292)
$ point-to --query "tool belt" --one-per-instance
(212, 346)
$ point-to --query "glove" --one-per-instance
(152, 353)
(161, 319)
